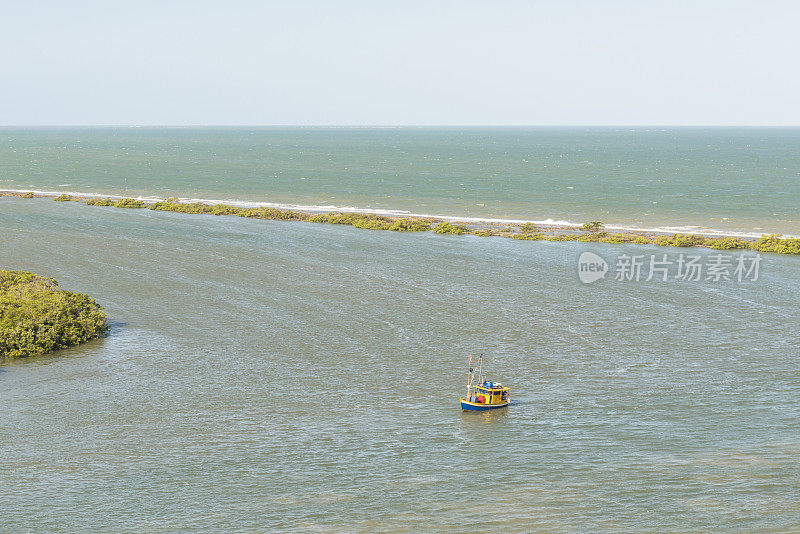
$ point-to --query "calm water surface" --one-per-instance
(278, 376)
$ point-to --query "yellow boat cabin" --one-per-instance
(486, 396)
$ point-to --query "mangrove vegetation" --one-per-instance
(121, 203)
(590, 232)
(37, 317)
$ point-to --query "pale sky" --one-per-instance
(496, 62)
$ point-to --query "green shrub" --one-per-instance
(29, 194)
(727, 243)
(369, 224)
(201, 208)
(681, 240)
(164, 205)
(593, 226)
(358, 220)
(791, 246)
(64, 198)
(253, 213)
(561, 237)
(411, 225)
(528, 237)
(486, 232)
(129, 203)
(587, 238)
(616, 238)
(224, 209)
(451, 229)
(777, 243)
(36, 317)
(528, 228)
(100, 202)
(355, 218)
(319, 218)
(181, 207)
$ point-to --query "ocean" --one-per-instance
(273, 376)
(743, 181)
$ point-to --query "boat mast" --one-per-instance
(469, 375)
(480, 368)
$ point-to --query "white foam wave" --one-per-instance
(324, 208)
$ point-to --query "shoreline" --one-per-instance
(555, 225)
(590, 232)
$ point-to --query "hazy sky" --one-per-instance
(401, 62)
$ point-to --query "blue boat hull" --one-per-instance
(473, 406)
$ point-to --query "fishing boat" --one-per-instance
(483, 394)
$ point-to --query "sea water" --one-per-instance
(266, 376)
(735, 180)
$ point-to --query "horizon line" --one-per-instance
(620, 125)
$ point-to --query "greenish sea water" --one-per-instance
(265, 376)
(744, 180)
